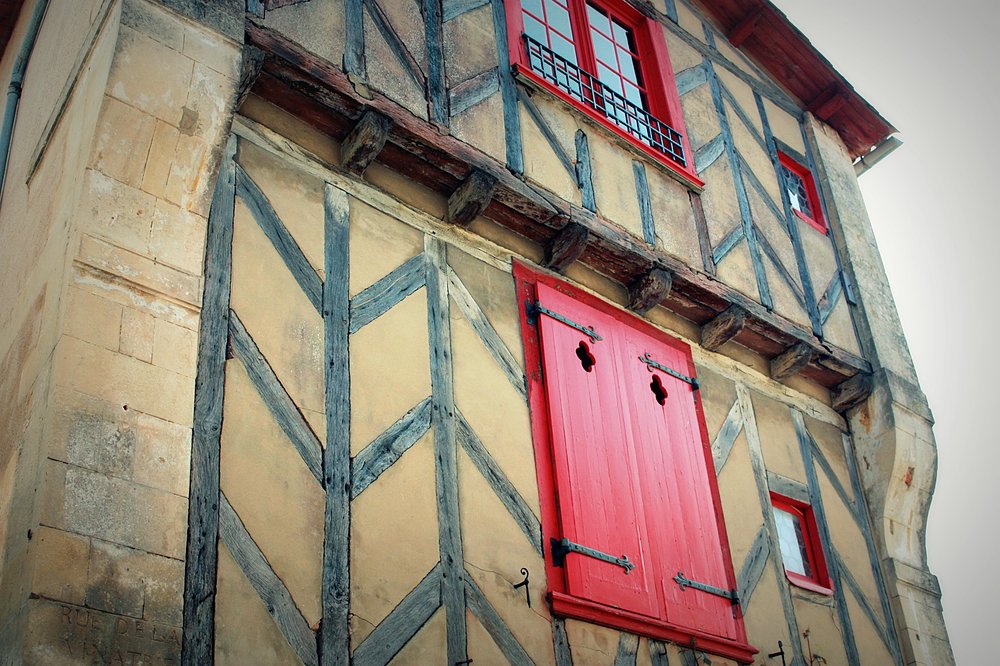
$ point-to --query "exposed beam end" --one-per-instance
(649, 290)
(723, 328)
(742, 30)
(471, 198)
(365, 142)
(791, 361)
(566, 246)
(852, 392)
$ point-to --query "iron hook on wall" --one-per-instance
(524, 584)
(779, 653)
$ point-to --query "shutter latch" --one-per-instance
(535, 309)
(732, 595)
(562, 547)
(648, 360)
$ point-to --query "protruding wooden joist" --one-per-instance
(649, 290)
(471, 198)
(723, 328)
(791, 361)
(742, 30)
(852, 392)
(827, 102)
(365, 142)
(566, 246)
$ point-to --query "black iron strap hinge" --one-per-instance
(648, 360)
(535, 309)
(562, 547)
(732, 595)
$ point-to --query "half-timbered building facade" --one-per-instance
(449, 332)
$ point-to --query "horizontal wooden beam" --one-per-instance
(852, 392)
(827, 102)
(322, 95)
(791, 361)
(566, 247)
(365, 142)
(471, 198)
(649, 290)
(724, 327)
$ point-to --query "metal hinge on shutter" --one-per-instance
(648, 360)
(535, 309)
(732, 595)
(562, 547)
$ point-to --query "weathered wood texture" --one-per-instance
(658, 653)
(852, 392)
(389, 447)
(584, 177)
(446, 449)
(471, 198)
(560, 643)
(323, 96)
(645, 207)
(437, 91)
(566, 246)
(202, 555)
(265, 582)
(628, 648)
(723, 328)
(791, 361)
(365, 142)
(722, 445)
(279, 403)
(377, 299)
(335, 640)
(494, 625)
(753, 567)
(649, 290)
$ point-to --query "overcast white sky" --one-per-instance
(932, 70)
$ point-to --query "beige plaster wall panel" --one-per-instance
(829, 439)
(386, 74)
(784, 127)
(318, 25)
(764, 617)
(740, 501)
(407, 191)
(722, 210)
(428, 646)
(848, 540)
(817, 616)
(390, 371)
(279, 317)
(673, 218)
(495, 550)
(784, 301)
(245, 633)
(718, 395)
(591, 644)
(478, 126)
(840, 328)
(493, 291)
(682, 56)
(296, 197)
(319, 144)
(739, 60)
(272, 491)
(481, 646)
(779, 443)
(540, 162)
(748, 105)
(874, 649)
(470, 45)
(701, 121)
(394, 537)
(736, 270)
(819, 253)
(379, 245)
(614, 184)
(688, 19)
(775, 231)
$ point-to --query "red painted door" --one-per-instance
(600, 503)
(683, 524)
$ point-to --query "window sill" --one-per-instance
(564, 605)
(815, 224)
(681, 174)
(808, 584)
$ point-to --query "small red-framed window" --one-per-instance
(625, 469)
(801, 552)
(802, 194)
(608, 60)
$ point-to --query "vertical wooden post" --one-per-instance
(335, 637)
(445, 449)
(202, 555)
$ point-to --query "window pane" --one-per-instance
(533, 6)
(564, 48)
(558, 18)
(604, 49)
(598, 20)
(793, 546)
(535, 30)
(622, 35)
(797, 194)
(629, 67)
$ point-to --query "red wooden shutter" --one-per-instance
(680, 505)
(600, 503)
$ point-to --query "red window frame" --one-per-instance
(820, 581)
(663, 100)
(564, 602)
(816, 221)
